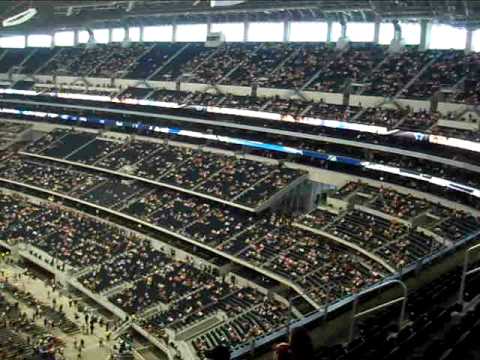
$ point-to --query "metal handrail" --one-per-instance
(402, 299)
(466, 272)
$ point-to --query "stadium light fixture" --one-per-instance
(20, 18)
(214, 3)
(130, 6)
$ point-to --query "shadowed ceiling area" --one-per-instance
(54, 15)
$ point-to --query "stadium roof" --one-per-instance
(60, 14)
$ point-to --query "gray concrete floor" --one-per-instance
(43, 292)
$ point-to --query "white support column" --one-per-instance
(329, 31)
(286, 31)
(468, 43)
(141, 33)
(209, 26)
(174, 32)
(110, 31)
(426, 28)
(246, 25)
(344, 30)
(376, 33)
(75, 37)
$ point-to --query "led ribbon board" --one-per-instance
(20, 18)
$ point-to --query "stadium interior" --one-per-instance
(240, 179)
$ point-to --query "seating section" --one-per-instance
(260, 316)
(366, 230)
(76, 240)
(50, 176)
(445, 72)
(171, 279)
(184, 55)
(12, 57)
(11, 133)
(110, 193)
(292, 65)
(128, 266)
(410, 248)
(46, 140)
(389, 239)
(341, 276)
(266, 240)
(40, 57)
(93, 151)
(63, 61)
(68, 144)
(458, 225)
(399, 205)
(393, 74)
(247, 182)
(353, 65)
(153, 60)
(166, 292)
(129, 155)
(317, 219)
(120, 61)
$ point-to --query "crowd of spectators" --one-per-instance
(391, 240)
(457, 225)
(153, 60)
(186, 58)
(342, 275)
(211, 69)
(301, 67)
(140, 260)
(252, 315)
(326, 270)
(226, 177)
(199, 219)
(72, 238)
(170, 280)
(352, 65)
(49, 176)
(403, 206)
(469, 93)
(187, 293)
(121, 60)
(393, 73)
(319, 67)
(409, 249)
(448, 69)
(392, 118)
(258, 63)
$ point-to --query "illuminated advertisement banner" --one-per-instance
(259, 145)
(454, 142)
(334, 124)
(212, 109)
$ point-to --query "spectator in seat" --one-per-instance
(301, 347)
(220, 352)
(282, 352)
